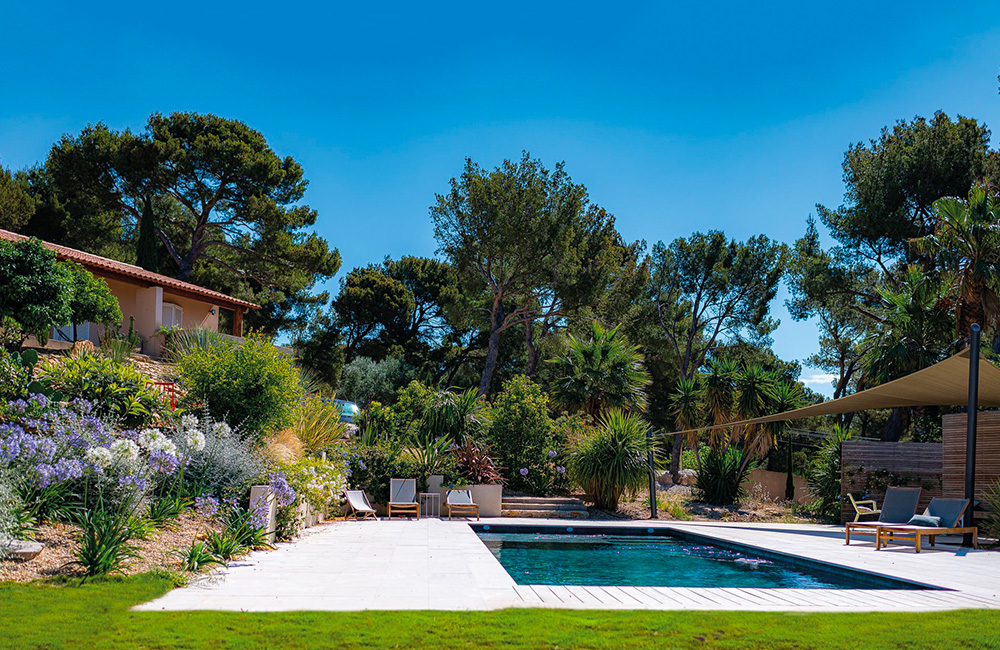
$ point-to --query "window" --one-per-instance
(173, 315)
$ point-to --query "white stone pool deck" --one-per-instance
(433, 564)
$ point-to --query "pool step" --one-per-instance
(545, 507)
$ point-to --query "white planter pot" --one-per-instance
(264, 491)
(489, 498)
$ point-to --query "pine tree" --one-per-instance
(145, 249)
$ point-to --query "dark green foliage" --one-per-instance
(253, 385)
(239, 525)
(56, 502)
(722, 474)
(372, 466)
(481, 225)
(521, 432)
(92, 300)
(146, 245)
(824, 476)
(16, 204)
(228, 208)
(104, 544)
(611, 460)
(36, 289)
(16, 375)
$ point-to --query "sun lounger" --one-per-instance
(403, 497)
(949, 511)
(898, 507)
(357, 503)
(460, 501)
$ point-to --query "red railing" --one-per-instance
(168, 390)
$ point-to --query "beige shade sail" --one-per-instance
(944, 384)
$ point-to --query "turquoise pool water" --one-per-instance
(655, 561)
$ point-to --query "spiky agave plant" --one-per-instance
(612, 460)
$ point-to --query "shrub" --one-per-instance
(722, 474)
(314, 481)
(377, 422)
(372, 466)
(824, 476)
(36, 289)
(364, 380)
(225, 466)
(116, 390)
(431, 456)
(253, 385)
(459, 416)
(612, 459)
(16, 375)
(476, 465)
(521, 432)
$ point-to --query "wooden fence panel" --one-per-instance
(868, 467)
(987, 453)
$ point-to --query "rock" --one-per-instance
(24, 550)
(82, 347)
(665, 479)
(687, 477)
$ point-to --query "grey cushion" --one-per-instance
(924, 520)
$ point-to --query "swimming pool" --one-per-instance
(656, 558)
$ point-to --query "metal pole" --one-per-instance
(970, 432)
(652, 474)
(789, 480)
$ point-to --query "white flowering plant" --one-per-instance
(315, 481)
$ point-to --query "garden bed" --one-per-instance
(61, 542)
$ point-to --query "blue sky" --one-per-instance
(676, 118)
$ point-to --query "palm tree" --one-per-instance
(601, 373)
(913, 333)
(966, 245)
(718, 393)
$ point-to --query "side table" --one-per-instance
(430, 504)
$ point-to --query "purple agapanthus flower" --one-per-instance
(283, 492)
(524, 471)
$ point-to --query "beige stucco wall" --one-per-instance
(196, 312)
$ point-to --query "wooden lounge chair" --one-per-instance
(403, 497)
(357, 503)
(461, 501)
(898, 507)
(949, 511)
(865, 508)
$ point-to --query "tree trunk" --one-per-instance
(492, 350)
(676, 447)
(895, 425)
(534, 351)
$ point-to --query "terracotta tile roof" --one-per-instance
(104, 266)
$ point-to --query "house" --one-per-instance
(153, 300)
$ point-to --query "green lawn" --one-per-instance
(96, 616)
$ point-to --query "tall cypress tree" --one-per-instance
(145, 249)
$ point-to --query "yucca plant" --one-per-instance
(825, 475)
(612, 459)
(722, 475)
(317, 424)
(180, 343)
(455, 415)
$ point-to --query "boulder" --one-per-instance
(665, 479)
(24, 550)
(687, 477)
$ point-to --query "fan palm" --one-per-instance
(603, 372)
(966, 243)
